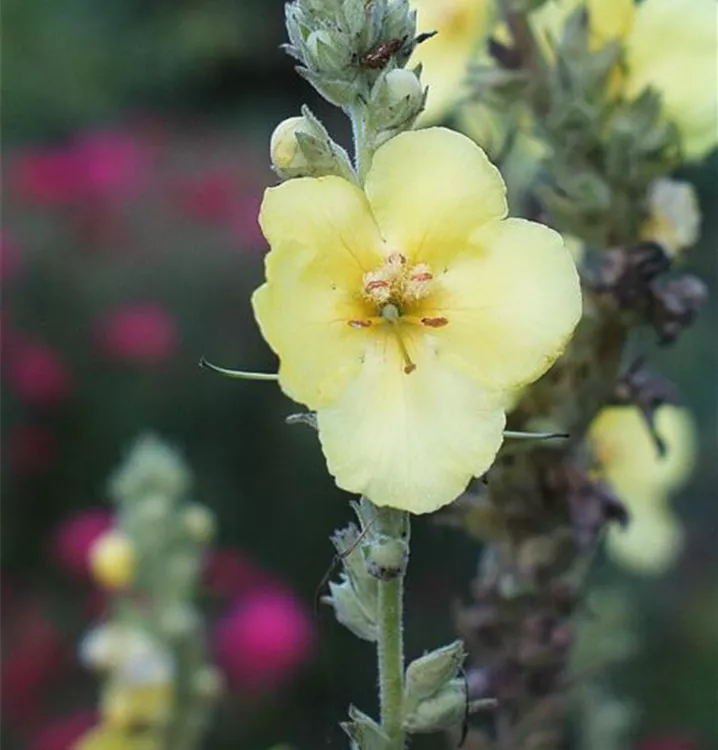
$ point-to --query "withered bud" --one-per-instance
(627, 273)
(675, 306)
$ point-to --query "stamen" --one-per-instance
(390, 313)
(409, 366)
(359, 323)
(434, 322)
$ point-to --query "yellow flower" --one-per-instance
(670, 45)
(674, 218)
(113, 560)
(628, 458)
(403, 312)
(461, 25)
(111, 738)
(629, 462)
(651, 542)
(673, 47)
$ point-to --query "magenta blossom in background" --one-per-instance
(62, 734)
(216, 197)
(35, 653)
(102, 166)
(37, 374)
(229, 574)
(263, 640)
(142, 333)
(31, 448)
(71, 542)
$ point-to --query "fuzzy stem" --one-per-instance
(391, 660)
(390, 644)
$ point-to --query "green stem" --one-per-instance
(390, 645)
(391, 660)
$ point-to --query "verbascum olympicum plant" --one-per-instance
(158, 687)
(644, 475)
(403, 304)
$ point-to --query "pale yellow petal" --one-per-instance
(110, 738)
(412, 441)
(610, 20)
(430, 190)
(445, 58)
(512, 302)
(651, 542)
(673, 48)
(628, 458)
(323, 238)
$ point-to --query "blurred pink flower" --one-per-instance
(217, 197)
(10, 260)
(263, 639)
(35, 653)
(62, 734)
(31, 448)
(143, 333)
(71, 542)
(229, 574)
(208, 197)
(102, 166)
(37, 374)
(113, 164)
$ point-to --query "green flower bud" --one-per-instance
(364, 732)
(403, 86)
(386, 557)
(428, 674)
(283, 146)
(301, 147)
(446, 709)
(198, 523)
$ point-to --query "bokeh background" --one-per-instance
(134, 157)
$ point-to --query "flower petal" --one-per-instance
(445, 58)
(511, 303)
(323, 238)
(628, 456)
(673, 48)
(430, 190)
(651, 542)
(412, 441)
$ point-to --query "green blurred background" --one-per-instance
(134, 156)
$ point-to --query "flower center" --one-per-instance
(397, 283)
(393, 291)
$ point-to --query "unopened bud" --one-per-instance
(113, 561)
(199, 523)
(446, 709)
(674, 216)
(428, 674)
(284, 148)
(386, 557)
(208, 683)
(403, 86)
(301, 147)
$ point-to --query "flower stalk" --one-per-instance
(390, 622)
